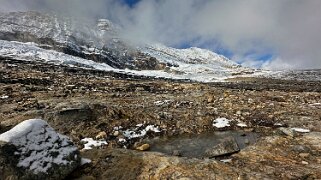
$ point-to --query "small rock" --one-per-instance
(304, 155)
(229, 146)
(116, 133)
(176, 153)
(248, 130)
(73, 132)
(287, 131)
(210, 99)
(101, 135)
(304, 162)
(241, 124)
(239, 113)
(137, 144)
(246, 141)
(143, 147)
(301, 149)
(85, 161)
(74, 113)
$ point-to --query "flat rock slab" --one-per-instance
(228, 146)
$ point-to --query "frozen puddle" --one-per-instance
(199, 145)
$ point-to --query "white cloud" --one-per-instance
(291, 28)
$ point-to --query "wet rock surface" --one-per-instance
(82, 103)
(205, 145)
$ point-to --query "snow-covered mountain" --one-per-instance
(60, 40)
(96, 41)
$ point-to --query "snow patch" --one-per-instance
(241, 124)
(4, 97)
(196, 68)
(226, 160)
(89, 143)
(139, 133)
(122, 140)
(159, 103)
(300, 130)
(221, 122)
(278, 124)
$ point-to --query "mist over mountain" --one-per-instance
(100, 43)
(270, 34)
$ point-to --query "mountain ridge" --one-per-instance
(102, 44)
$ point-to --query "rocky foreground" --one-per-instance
(109, 117)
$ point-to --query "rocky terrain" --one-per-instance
(83, 103)
(148, 112)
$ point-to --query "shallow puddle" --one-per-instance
(196, 145)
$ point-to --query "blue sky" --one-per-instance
(131, 3)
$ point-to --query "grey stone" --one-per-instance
(286, 131)
(177, 153)
(79, 113)
(228, 146)
(301, 149)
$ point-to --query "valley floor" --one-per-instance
(81, 103)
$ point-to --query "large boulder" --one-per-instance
(33, 150)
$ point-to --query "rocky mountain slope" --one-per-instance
(101, 43)
(112, 110)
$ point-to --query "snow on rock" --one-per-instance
(241, 124)
(89, 143)
(4, 97)
(196, 64)
(198, 69)
(221, 122)
(160, 103)
(300, 130)
(41, 151)
(226, 160)
(278, 124)
(31, 52)
(140, 131)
